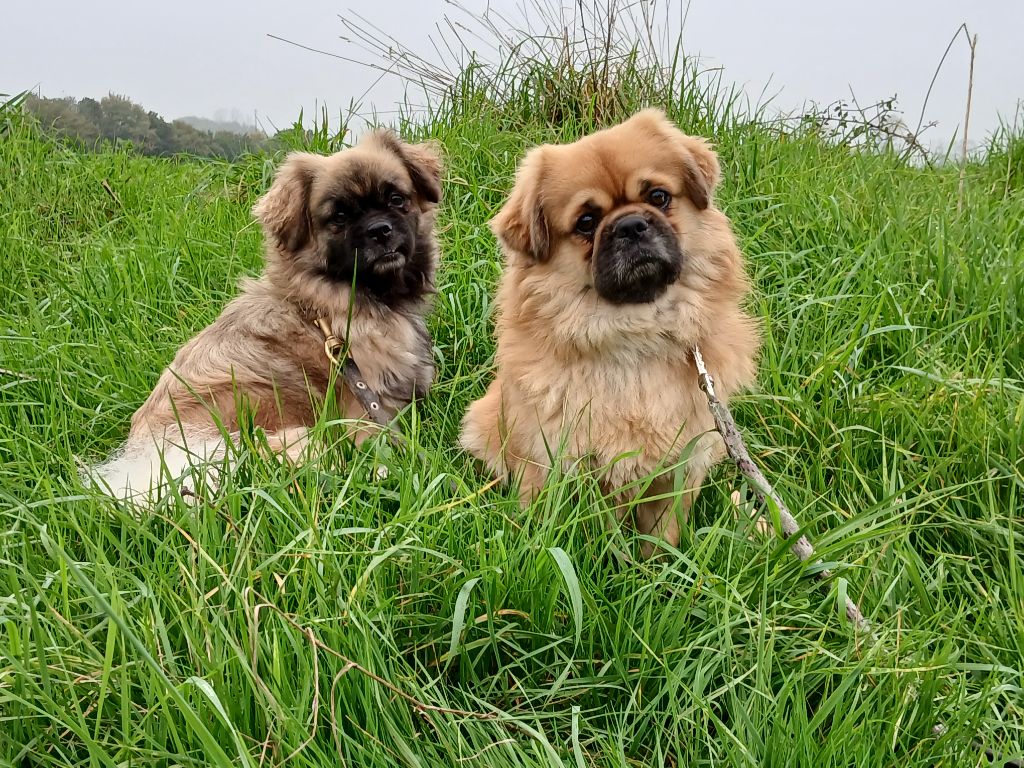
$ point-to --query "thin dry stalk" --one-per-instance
(935, 76)
(802, 547)
(973, 41)
(316, 700)
(418, 706)
(737, 449)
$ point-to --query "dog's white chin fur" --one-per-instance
(144, 466)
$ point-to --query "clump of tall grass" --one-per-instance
(583, 65)
(580, 65)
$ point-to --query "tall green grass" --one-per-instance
(319, 617)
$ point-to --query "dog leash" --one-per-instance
(802, 548)
(334, 349)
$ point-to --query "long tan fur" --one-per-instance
(612, 382)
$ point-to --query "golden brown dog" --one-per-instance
(349, 243)
(617, 263)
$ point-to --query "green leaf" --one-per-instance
(572, 585)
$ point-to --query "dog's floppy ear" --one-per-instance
(698, 164)
(284, 209)
(422, 161)
(701, 171)
(520, 225)
(425, 165)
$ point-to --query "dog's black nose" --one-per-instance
(632, 226)
(379, 230)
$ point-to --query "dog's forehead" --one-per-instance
(360, 172)
(614, 165)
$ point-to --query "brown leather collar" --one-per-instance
(334, 348)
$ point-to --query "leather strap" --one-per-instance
(335, 350)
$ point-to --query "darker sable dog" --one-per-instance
(369, 229)
(350, 252)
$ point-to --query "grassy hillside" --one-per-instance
(320, 618)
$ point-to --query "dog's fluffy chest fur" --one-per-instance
(391, 347)
(578, 378)
(630, 415)
(394, 355)
(271, 350)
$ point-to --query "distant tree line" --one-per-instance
(117, 119)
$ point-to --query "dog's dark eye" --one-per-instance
(340, 218)
(396, 200)
(659, 198)
(586, 224)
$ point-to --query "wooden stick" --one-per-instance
(802, 547)
(737, 449)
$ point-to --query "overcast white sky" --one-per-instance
(209, 57)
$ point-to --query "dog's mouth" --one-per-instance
(644, 266)
(388, 261)
(635, 259)
(636, 277)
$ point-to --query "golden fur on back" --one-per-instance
(264, 349)
(613, 382)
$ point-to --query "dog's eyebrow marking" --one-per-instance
(392, 185)
(329, 206)
(649, 181)
(586, 205)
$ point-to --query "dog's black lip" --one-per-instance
(646, 265)
(642, 274)
(390, 256)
